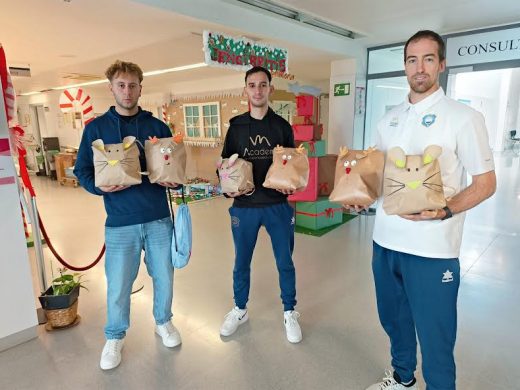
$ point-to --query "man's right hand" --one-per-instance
(113, 188)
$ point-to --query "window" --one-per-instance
(285, 109)
(202, 124)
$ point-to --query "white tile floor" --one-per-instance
(344, 346)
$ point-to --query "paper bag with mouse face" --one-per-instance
(166, 159)
(413, 183)
(235, 174)
(289, 170)
(116, 164)
(359, 176)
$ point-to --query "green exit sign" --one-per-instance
(342, 89)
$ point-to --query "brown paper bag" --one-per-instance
(326, 169)
(235, 174)
(166, 159)
(413, 183)
(116, 164)
(289, 170)
(359, 176)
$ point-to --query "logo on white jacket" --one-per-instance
(447, 276)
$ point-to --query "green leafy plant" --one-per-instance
(65, 283)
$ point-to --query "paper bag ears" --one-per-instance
(398, 156)
(127, 142)
(231, 161)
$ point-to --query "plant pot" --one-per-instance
(53, 302)
(60, 318)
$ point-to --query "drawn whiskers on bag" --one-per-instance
(414, 184)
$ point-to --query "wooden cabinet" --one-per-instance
(63, 161)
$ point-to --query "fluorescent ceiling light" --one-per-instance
(150, 73)
(177, 69)
(392, 87)
(78, 85)
(30, 93)
(286, 12)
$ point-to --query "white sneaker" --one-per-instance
(233, 320)
(389, 383)
(292, 328)
(169, 334)
(111, 355)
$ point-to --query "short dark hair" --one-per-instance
(428, 34)
(256, 69)
(123, 67)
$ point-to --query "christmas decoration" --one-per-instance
(70, 99)
(242, 53)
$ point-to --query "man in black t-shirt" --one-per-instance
(253, 135)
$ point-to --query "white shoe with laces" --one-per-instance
(292, 328)
(389, 383)
(169, 334)
(233, 320)
(111, 355)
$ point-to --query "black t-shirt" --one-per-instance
(254, 140)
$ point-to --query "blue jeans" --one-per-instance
(418, 296)
(278, 220)
(124, 245)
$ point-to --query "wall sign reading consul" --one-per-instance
(493, 46)
(242, 53)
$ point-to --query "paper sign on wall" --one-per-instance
(6, 163)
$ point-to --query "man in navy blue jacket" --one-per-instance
(138, 216)
(253, 135)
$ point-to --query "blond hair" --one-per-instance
(124, 67)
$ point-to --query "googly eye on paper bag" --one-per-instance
(166, 159)
(358, 177)
(116, 164)
(235, 174)
(289, 170)
(413, 183)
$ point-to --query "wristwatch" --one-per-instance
(448, 212)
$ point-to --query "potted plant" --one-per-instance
(60, 300)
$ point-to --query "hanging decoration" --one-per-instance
(78, 101)
(282, 75)
(165, 113)
(242, 53)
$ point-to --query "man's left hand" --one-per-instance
(286, 192)
(426, 215)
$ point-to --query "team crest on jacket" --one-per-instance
(428, 120)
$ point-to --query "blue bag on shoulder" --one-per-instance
(181, 240)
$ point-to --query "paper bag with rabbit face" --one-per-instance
(116, 164)
(166, 159)
(359, 176)
(289, 170)
(413, 183)
(235, 174)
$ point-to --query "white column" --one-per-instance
(18, 318)
(341, 108)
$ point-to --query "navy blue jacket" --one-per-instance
(137, 204)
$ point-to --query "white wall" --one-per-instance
(18, 319)
(341, 108)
